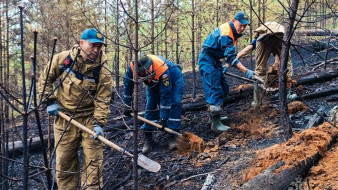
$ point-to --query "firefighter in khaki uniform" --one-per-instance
(85, 94)
(268, 40)
(164, 82)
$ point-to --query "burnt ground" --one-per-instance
(227, 155)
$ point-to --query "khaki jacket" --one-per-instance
(79, 97)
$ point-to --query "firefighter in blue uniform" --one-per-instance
(218, 45)
(164, 81)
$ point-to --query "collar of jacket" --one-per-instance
(99, 60)
(236, 35)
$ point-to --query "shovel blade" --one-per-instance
(148, 164)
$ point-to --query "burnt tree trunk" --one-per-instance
(135, 73)
(193, 47)
(264, 9)
(177, 35)
(283, 67)
(7, 63)
(152, 27)
(117, 62)
(217, 10)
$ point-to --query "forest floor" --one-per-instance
(229, 155)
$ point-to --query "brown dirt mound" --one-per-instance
(325, 174)
(296, 106)
(301, 146)
(189, 142)
(272, 75)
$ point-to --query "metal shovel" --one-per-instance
(142, 160)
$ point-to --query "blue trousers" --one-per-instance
(213, 79)
(153, 100)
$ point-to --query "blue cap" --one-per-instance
(242, 17)
(93, 36)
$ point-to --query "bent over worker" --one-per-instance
(164, 81)
(84, 93)
(219, 44)
(268, 40)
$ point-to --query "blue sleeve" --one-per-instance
(165, 94)
(229, 50)
(253, 42)
(128, 87)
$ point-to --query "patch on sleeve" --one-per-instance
(165, 80)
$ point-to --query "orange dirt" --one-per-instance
(273, 73)
(325, 174)
(255, 127)
(301, 146)
(296, 106)
(189, 142)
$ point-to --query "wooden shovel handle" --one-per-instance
(157, 125)
(101, 138)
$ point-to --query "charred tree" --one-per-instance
(117, 62)
(25, 115)
(7, 63)
(193, 47)
(177, 34)
(135, 74)
(152, 27)
(283, 70)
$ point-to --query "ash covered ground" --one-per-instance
(227, 155)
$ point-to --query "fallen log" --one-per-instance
(314, 77)
(317, 32)
(244, 91)
(277, 166)
(15, 148)
(319, 94)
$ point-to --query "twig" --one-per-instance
(200, 175)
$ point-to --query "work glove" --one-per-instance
(249, 74)
(224, 69)
(163, 123)
(98, 130)
(53, 109)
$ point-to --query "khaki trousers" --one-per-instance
(67, 160)
(264, 48)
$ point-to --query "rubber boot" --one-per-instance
(217, 125)
(224, 118)
(172, 141)
(215, 113)
(148, 142)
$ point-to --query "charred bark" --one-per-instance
(317, 32)
(314, 77)
(283, 70)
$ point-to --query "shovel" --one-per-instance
(158, 125)
(186, 142)
(142, 160)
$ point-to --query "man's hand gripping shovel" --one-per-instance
(142, 160)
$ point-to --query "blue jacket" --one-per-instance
(165, 78)
(221, 43)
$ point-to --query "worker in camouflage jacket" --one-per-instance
(268, 40)
(164, 81)
(220, 44)
(83, 90)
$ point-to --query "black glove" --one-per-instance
(163, 123)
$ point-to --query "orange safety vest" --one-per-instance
(226, 30)
(159, 66)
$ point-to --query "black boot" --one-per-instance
(148, 142)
